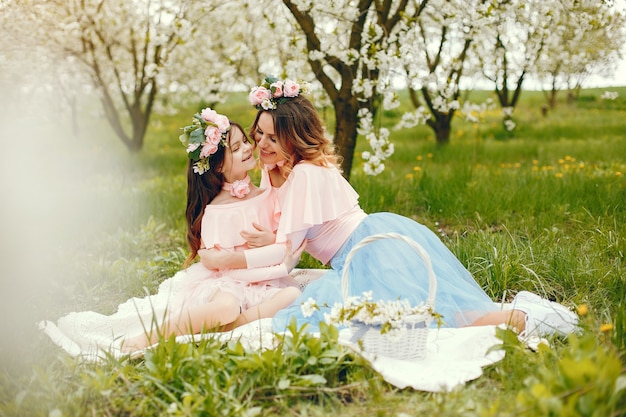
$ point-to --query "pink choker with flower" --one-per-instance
(239, 188)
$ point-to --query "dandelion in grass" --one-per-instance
(582, 310)
(606, 327)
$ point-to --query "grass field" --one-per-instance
(541, 208)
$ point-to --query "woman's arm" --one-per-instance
(270, 272)
(251, 258)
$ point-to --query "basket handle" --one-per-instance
(432, 281)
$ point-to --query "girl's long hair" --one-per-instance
(201, 190)
(300, 133)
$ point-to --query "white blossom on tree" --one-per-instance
(124, 47)
(585, 38)
(434, 51)
(510, 45)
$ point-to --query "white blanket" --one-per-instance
(454, 356)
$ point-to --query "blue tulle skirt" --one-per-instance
(391, 270)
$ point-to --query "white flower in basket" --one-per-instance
(390, 328)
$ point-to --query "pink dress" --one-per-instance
(87, 333)
(221, 224)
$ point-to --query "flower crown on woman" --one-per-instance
(274, 91)
(203, 137)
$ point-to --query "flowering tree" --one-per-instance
(122, 46)
(434, 51)
(224, 53)
(24, 85)
(347, 48)
(586, 38)
(510, 47)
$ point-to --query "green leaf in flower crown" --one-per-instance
(197, 136)
(184, 139)
(270, 79)
(195, 155)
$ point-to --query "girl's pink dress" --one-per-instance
(87, 333)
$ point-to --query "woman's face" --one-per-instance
(265, 137)
(239, 156)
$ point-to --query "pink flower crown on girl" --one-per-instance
(203, 137)
(274, 91)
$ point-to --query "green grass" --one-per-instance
(541, 208)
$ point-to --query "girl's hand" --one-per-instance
(214, 258)
(208, 258)
(258, 237)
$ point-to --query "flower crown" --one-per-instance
(203, 137)
(274, 91)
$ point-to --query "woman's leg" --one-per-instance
(512, 318)
(533, 315)
(220, 311)
(268, 308)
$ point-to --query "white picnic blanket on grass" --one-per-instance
(454, 356)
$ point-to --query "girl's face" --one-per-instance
(239, 156)
(265, 137)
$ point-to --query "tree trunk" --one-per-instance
(346, 124)
(441, 125)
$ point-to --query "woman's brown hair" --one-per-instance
(300, 133)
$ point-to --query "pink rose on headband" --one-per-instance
(208, 114)
(277, 87)
(213, 135)
(211, 116)
(208, 149)
(222, 122)
(258, 95)
(291, 88)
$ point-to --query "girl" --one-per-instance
(220, 199)
(319, 205)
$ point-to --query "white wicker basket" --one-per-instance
(410, 344)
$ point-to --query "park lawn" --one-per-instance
(541, 208)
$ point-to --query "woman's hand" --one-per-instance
(292, 258)
(258, 237)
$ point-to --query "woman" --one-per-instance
(220, 199)
(319, 205)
